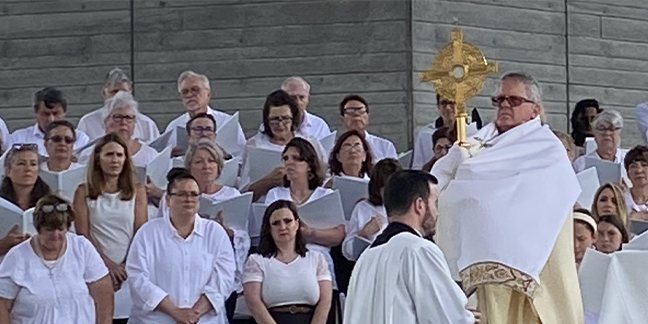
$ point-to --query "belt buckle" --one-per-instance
(293, 309)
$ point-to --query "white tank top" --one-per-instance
(111, 224)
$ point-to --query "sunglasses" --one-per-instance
(513, 101)
(59, 139)
(61, 207)
(19, 147)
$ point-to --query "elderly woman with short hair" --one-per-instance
(56, 276)
(607, 128)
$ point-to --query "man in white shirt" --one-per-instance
(49, 105)
(4, 136)
(311, 126)
(92, 123)
(354, 112)
(402, 277)
(195, 91)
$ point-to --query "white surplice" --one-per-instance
(405, 280)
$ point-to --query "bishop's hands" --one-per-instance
(475, 313)
(371, 227)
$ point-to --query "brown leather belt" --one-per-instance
(293, 309)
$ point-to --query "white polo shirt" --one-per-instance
(313, 127)
(33, 134)
(92, 124)
(381, 148)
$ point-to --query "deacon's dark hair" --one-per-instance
(616, 222)
(308, 154)
(403, 188)
(201, 115)
(267, 247)
(50, 97)
(443, 132)
(336, 166)
(280, 98)
(578, 122)
(353, 97)
(638, 153)
(175, 175)
(379, 176)
(59, 123)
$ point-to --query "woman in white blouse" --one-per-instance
(351, 156)
(120, 117)
(284, 282)
(607, 127)
(110, 208)
(636, 198)
(56, 276)
(369, 217)
(181, 268)
(59, 142)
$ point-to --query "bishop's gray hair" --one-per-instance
(295, 80)
(116, 76)
(612, 117)
(533, 90)
(121, 99)
(191, 74)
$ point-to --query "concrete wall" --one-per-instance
(577, 49)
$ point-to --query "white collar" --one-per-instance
(37, 132)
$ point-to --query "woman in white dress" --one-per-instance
(351, 157)
(56, 276)
(59, 141)
(369, 217)
(181, 268)
(301, 184)
(110, 209)
(274, 292)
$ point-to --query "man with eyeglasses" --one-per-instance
(442, 141)
(195, 92)
(49, 106)
(202, 126)
(505, 203)
(354, 112)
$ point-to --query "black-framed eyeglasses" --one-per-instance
(192, 90)
(355, 111)
(59, 139)
(609, 129)
(513, 101)
(202, 130)
(60, 207)
(438, 148)
(129, 119)
(280, 120)
(186, 194)
(354, 146)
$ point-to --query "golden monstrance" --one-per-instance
(458, 73)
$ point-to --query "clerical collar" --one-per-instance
(393, 229)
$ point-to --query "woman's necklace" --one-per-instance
(296, 199)
(49, 265)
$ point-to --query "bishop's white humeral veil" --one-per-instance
(505, 227)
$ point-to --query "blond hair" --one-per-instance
(622, 212)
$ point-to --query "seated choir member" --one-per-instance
(350, 157)
(285, 282)
(180, 268)
(568, 142)
(198, 127)
(369, 217)
(56, 276)
(607, 127)
(110, 209)
(608, 200)
(636, 198)
(120, 118)
(354, 110)
(20, 186)
(310, 125)
(585, 230)
(301, 184)
(611, 234)
(59, 142)
(442, 140)
(92, 123)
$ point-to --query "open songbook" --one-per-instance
(328, 142)
(235, 210)
(590, 145)
(156, 170)
(321, 213)
(229, 174)
(11, 215)
(359, 245)
(227, 134)
(589, 182)
(352, 190)
(260, 162)
(64, 183)
(164, 140)
(405, 159)
(607, 171)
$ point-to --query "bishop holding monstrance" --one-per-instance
(506, 196)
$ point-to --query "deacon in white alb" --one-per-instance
(402, 277)
(49, 105)
(92, 123)
(181, 268)
(195, 91)
(354, 112)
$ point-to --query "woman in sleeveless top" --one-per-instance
(110, 209)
